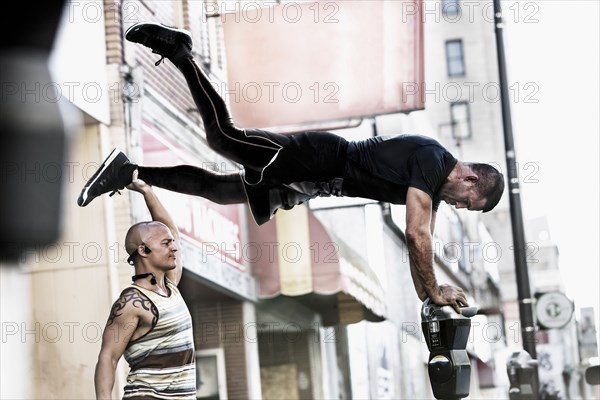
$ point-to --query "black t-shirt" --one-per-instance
(384, 167)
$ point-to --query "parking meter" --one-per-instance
(446, 333)
(522, 374)
(592, 375)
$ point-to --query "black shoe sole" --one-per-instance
(84, 199)
(135, 26)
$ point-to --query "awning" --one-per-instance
(295, 255)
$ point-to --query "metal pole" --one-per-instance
(526, 302)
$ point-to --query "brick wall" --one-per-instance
(165, 79)
(218, 325)
(112, 24)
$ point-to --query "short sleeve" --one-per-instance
(427, 170)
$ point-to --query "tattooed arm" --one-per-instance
(131, 316)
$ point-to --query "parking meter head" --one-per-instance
(592, 375)
(522, 375)
(429, 310)
(444, 328)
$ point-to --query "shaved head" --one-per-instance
(141, 232)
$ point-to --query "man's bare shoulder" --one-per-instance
(132, 303)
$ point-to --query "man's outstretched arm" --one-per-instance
(159, 213)
(419, 227)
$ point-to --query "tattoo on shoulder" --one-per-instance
(136, 299)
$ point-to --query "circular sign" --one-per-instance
(554, 310)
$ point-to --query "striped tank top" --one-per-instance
(162, 361)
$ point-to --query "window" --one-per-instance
(460, 120)
(211, 49)
(455, 58)
(451, 7)
(204, 47)
(211, 382)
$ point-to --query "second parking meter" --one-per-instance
(446, 333)
(521, 369)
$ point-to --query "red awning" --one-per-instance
(308, 62)
(295, 255)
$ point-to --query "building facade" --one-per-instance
(319, 302)
(463, 105)
(248, 344)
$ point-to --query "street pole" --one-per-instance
(526, 302)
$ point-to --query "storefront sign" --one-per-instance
(213, 267)
(211, 233)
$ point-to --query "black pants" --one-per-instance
(307, 156)
(269, 159)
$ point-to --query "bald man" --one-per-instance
(150, 324)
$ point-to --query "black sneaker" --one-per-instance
(113, 175)
(166, 41)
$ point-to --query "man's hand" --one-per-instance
(450, 295)
(138, 185)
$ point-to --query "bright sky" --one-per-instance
(553, 45)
